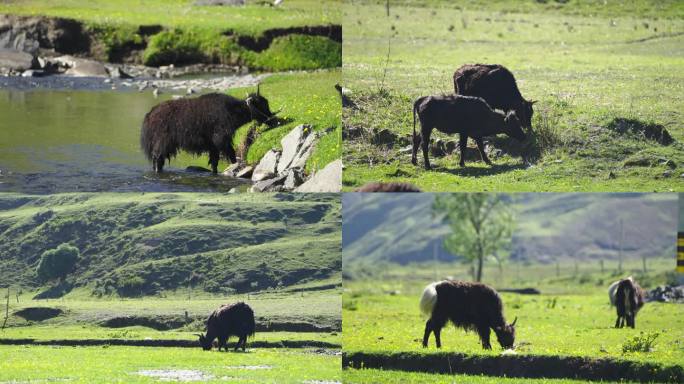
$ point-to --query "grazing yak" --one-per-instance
(471, 306)
(203, 124)
(466, 115)
(628, 298)
(235, 319)
(497, 86)
(388, 187)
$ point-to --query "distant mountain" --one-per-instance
(163, 241)
(400, 228)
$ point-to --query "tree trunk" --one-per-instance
(480, 261)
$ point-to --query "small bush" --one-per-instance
(58, 262)
(641, 343)
(298, 52)
(174, 46)
(131, 286)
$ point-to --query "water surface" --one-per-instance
(57, 140)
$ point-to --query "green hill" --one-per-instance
(144, 244)
(400, 228)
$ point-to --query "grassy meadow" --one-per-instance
(192, 34)
(151, 365)
(571, 317)
(605, 74)
(306, 98)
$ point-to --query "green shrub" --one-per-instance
(174, 46)
(298, 52)
(131, 286)
(641, 343)
(58, 262)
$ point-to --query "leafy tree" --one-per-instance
(481, 224)
(58, 262)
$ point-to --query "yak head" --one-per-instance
(506, 334)
(204, 342)
(258, 107)
(525, 112)
(513, 127)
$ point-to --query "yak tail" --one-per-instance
(429, 299)
(415, 110)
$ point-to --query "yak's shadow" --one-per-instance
(495, 169)
(277, 122)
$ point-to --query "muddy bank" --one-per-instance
(168, 343)
(558, 367)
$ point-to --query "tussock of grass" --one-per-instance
(299, 52)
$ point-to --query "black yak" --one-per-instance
(203, 124)
(495, 84)
(471, 306)
(628, 298)
(388, 187)
(466, 115)
(229, 320)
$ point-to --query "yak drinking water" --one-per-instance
(466, 115)
(496, 85)
(471, 306)
(203, 124)
(628, 298)
(235, 319)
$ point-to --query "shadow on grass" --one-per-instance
(477, 171)
(651, 131)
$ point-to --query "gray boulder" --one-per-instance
(266, 167)
(304, 152)
(328, 179)
(291, 144)
(269, 185)
(82, 67)
(245, 173)
(294, 178)
(17, 60)
(231, 170)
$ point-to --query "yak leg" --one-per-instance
(425, 144)
(222, 343)
(230, 154)
(213, 160)
(414, 150)
(244, 342)
(158, 164)
(462, 145)
(630, 319)
(480, 147)
(428, 330)
(484, 333)
(617, 322)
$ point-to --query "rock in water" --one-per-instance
(329, 179)
(266, 167)
(17, 60)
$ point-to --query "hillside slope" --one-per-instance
(401, 229)
(147, 243)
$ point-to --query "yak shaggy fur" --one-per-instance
(235, 319)
(203, 124)
(471, 306)
(496, 84)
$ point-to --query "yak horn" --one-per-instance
(514, 320)
(258, 84)
(277, 112)
(534, 102)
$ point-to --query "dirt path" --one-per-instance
(518, 366)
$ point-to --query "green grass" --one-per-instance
(572, 316)
(252, 19)
(194, 34)
(306, 98)
(117, 364)
(167, 238)
(586, 68)
(359, 376)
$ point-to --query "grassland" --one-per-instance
(306, 98)
(123, 364)
(164, 239)
(591, 66)
(360, 376)
(194, 34)
(572, 316)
